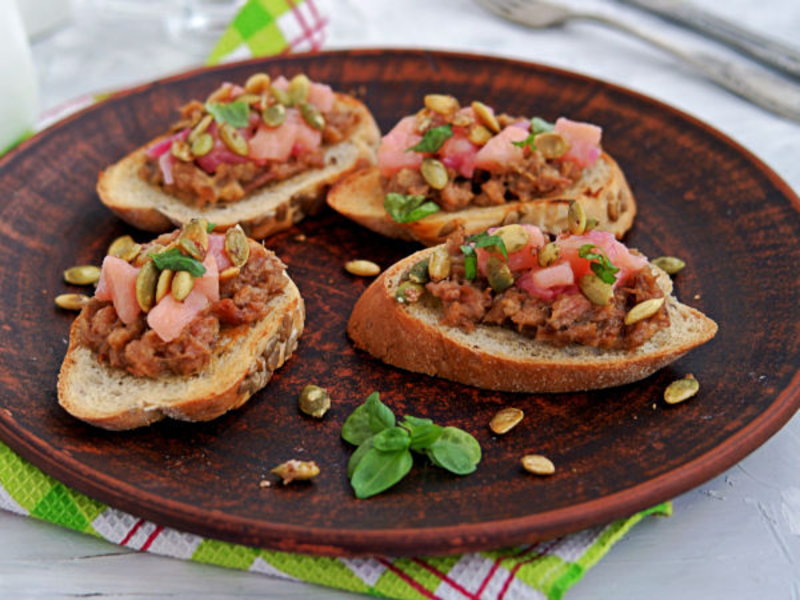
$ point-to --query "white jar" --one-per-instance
(19, 101)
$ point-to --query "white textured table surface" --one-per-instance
(736, 536)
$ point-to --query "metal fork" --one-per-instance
(759, 86)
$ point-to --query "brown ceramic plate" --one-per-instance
(701, 197)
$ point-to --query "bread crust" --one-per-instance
(602, 191)
(275, 207)
(493, 357)
(243, 362)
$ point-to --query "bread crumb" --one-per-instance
(264, 484)
(697, 296)
(301, 237)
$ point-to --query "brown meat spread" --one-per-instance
(139, 350)
(234, 181)
(522, 182)
(569, 318)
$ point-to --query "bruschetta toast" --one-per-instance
(512, 310)
(262, 156)
(189, 327)
(450, 167)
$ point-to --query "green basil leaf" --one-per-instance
(356, 429)
(378, 471)
(236, 113)
(471, 266)
(392, 439)
(175, 260)
(407, 208)
(210, 227)
(604, 269)
(494, 243)
(360, 452)
(424, 436)
(368, 419)
(433, 139)
(455, 450)
(410, 422)
(380, 416)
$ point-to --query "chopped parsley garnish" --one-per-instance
(538, 125)
(406, 208)
(481, 240)
(236, 113)
(175, 260)
(433, 139)
(604, 269)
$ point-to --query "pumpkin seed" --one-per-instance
(681, 390)
(644, 310)
(257, 83)
(233, 139)
(549, 254)
(479, 135)
(202, 144)
(515, 237)
(419, 272)
(71, 301)
(435, 173)
(591, 223)
(424, 120)
(461, 119)
(142, 257)
(182, 284)
(595, 289)
(442, 104)
(670, 264)
(498, 274)
(362, 268)
(409, 292)
(312, 116)
(164, 284)
(550, 144)
(281, 96)
(125, 248)
(223, 92)
(181, 150)
(486, 116)
(298, 89)
(538, 464)
(314, 401)
(439, 264)
(505, 420)
(194, 238)
(296, 470)
(274, 116)
(82, 275)
(146, 282)
(199, 129)
(249, 99)
(236, 246)
(576, 218)
(229, 273)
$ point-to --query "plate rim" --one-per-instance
(408, 541)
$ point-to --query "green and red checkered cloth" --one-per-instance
(543, 570)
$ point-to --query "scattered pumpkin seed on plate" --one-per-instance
(314, 401)
(296, 470)
(82, 275)
(538, 464)
(71, 301)
(362, 268)
(505, 420)
(681, 390)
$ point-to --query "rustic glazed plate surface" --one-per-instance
(701, 197)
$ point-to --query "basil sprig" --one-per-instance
(236, 113)
(480, 240)
(604, 268)
(383, 456)
(432, 139)
(175, 260)
(406, 208)
(538, 125)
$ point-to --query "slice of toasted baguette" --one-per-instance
(411, 337)
(275, 207)
(602, 191)
(245, 359)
